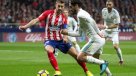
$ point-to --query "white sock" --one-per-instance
(77, 48)
(119, 53)
(108, 72)
(91, 59)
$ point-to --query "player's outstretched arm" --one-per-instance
(32, 22)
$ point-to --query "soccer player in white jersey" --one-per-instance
(89, 27)
(111, 21)
(72, 27)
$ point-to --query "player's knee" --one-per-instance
(80, 58)
(49, 51)
(49, 48)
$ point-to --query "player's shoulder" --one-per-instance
(82, 13)
(115, 10)
(104, 9)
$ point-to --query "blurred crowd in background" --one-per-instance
(20, 12)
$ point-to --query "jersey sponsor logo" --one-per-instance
(54, 28)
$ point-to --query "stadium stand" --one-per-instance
(19, 12)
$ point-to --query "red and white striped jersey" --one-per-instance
(54, 24)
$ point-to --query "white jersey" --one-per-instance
(72, 24)
(90, 28)
(111, 18)
(87, 23)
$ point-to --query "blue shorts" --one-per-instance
(63, 47)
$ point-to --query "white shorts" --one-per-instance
(114, 36)
(71, 39)
(94, 45)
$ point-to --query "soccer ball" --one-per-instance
(28, 30)
(43, 73)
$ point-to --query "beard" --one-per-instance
(59, 11)
(109, 8)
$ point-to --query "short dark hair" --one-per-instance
(74, 2)
(60, 1)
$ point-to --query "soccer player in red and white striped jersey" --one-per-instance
(55, 23)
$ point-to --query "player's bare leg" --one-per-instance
(72, 51)
(75, 44)
(119, 53)
(90, 59)
(52, 59)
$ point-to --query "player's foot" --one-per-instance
(88, 73)
(103, 67)
(120, 62)
(57, 73)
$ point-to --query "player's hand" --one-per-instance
(22, 28)
(64, 32)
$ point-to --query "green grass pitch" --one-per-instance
(26, 59)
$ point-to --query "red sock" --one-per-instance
(53, 61)
(83, 65)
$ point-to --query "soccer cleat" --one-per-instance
(88, 73)
(57, 73)
(120, 62)
(103, 67)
